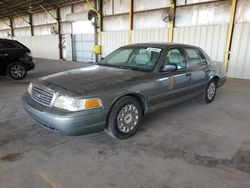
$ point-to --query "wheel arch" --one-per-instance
(141, 99)
(216, 78)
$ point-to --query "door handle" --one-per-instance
(188, 74)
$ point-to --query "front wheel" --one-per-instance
(210, 91)
(16, 71)
(124, 118)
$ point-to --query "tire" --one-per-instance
(210, 91)
(124, 118)
(16, 71)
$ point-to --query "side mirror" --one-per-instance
(170, 68)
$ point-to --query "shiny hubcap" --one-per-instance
(128, 118)
(17, 71)
(211, 91)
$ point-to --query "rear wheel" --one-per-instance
(210, 91)
(124, 118)
(16, 71)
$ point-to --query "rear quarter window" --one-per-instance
(195, 57)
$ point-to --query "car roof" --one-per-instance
(7, 40)
(160, 45)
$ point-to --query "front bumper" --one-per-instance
(30, 66)
(222, 81)
(67, 123)
(28, 61)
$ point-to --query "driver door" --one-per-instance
(172, 86)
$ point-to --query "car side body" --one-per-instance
(152, 89)
(14, 53)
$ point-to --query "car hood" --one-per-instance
(88, 79)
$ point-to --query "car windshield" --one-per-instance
(135, 58)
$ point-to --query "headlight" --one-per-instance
(30, 88)
(76, 104)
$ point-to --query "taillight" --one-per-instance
(29, 54)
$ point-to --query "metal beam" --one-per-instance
(5, 23)
(131, 20)
(171, 23)
(230, 33)
(48, 12)
(22, 18)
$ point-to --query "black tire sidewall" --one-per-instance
(207, 100)
(9, 69)
(112, 120)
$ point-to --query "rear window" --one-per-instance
(195, 57)
(10, 45)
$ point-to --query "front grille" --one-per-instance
(41, 96)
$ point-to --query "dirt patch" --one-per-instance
(240, 160)
(12, 157)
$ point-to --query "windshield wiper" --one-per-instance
(139, 69)
(124, 67)
(113, 65)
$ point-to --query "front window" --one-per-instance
(135, 58)
(174, 56)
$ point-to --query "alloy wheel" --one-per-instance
(17, 71)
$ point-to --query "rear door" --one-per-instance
(198, 67)
(3, 57)
(13, 50)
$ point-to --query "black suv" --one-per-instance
(15, 59)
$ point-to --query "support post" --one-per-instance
(230, 33)
(58, 21)
(28, 22)
(99, 17)
(57, 18)
(31, 24)
(12, 28)
(100, 4)
(131, 21)
(172, 22)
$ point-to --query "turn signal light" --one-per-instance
(92, 103)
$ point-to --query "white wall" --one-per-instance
(42, 46)
(239, 65)
(211, 38)
(112, 40)
(150, 35)
(68, 47)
